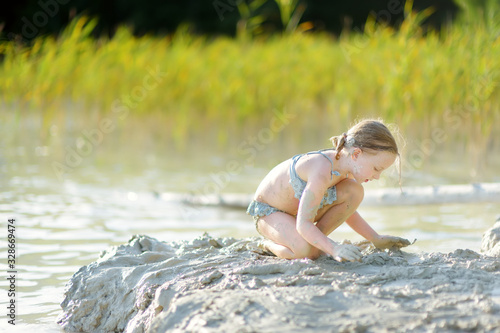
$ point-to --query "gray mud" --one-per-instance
(230, 285)
(490, 245)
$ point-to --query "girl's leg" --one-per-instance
(282, 237)
(280, 228)
(349, 196)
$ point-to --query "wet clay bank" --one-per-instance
(229, 285)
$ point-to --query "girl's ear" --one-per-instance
(355, 153)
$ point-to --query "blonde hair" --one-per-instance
(370, 136)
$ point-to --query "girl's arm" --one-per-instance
(358, 224)
(308, 209)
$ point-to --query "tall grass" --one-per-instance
(448, 79)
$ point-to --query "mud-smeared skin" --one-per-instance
(229, 285)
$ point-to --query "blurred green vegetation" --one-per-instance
(29, 18)
(185, 87)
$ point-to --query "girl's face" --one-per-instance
(366, 166)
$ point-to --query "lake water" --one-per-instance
(61, 227)
(63, 224)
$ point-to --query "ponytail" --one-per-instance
(339, 143)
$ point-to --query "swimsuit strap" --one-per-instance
(293, 173)
(336, 173)
(296, 158)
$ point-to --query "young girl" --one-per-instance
(305, 198)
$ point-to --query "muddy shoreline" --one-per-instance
(232, 285)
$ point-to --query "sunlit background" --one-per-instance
(105, 115)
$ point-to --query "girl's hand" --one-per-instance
(346, 252)
(387, 242)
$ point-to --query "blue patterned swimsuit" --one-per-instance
(259, 209)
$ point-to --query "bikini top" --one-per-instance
(298, 184)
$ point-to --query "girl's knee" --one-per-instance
(306, 252)
(314, 253)
(350, 190)
(288, 252)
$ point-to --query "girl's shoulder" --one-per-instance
(320, 157)
(317, 163)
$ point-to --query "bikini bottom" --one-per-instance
(258, 209)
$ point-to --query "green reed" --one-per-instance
(448, 79)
